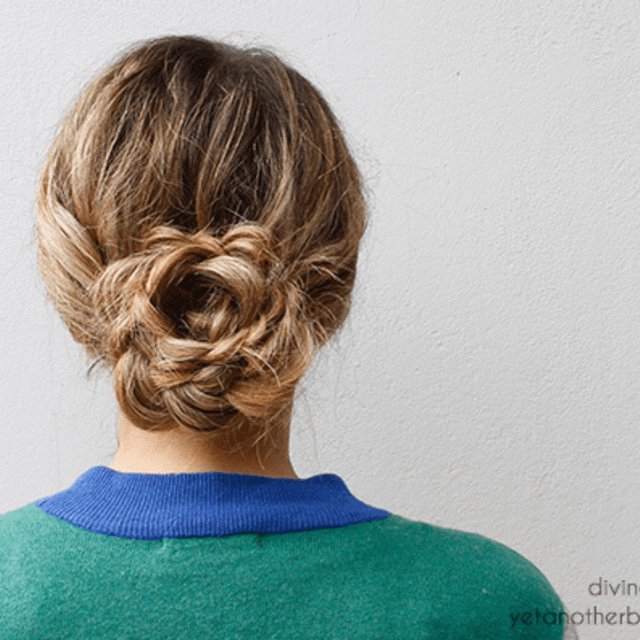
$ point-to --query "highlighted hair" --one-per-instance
(198, 222)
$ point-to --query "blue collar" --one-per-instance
(187, 505)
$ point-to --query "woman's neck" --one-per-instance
(168, 452)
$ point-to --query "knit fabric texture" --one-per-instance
(222, 555)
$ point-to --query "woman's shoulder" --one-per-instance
(474, 579)
(470, 554)
(454, 545)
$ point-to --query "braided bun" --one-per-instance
(197, 325)
(199, 217)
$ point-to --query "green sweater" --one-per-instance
(220, 555)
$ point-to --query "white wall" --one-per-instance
(488, 379)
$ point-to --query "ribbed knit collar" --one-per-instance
(186, 505)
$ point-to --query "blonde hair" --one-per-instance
(198, 222)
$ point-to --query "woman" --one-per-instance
(199, 217)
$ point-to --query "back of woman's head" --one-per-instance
(199, 217)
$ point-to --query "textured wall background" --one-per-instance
(488, 377)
